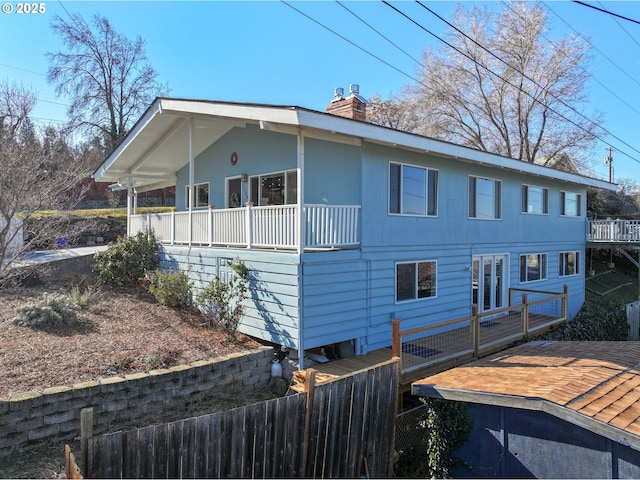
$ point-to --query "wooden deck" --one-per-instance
(445, 351)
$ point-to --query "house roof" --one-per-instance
(158, 144)
(595, 385)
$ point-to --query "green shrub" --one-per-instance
(51, 310)
(593, 323)
(127, 260)
(170, 287)
(79, 296)
(224, 301)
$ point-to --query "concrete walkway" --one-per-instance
(47, 256)
(58, 263)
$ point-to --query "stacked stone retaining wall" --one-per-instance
(33, 419)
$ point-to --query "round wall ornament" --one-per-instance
(234, 158)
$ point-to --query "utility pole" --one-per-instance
(608, 160)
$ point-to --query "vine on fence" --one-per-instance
(443, 426)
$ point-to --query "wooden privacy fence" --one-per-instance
(456, 341)
(339, 429)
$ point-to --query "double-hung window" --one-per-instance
(569, 264)
(570, 204)
(415, 280)
(485, 198)
(412, 190)
(533, 267)
(535, 200)
(202, 195)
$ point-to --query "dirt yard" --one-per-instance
(117, 333)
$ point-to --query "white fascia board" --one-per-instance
(286, 115)
(148, 116)
(397, 139)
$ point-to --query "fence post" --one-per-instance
(475, 330)
(310, 386)
(525, 314)
(86, 432)
(565, 302)
(396, 345)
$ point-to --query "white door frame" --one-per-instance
(490, 281)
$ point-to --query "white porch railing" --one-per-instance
(613, 231)
(324, 226)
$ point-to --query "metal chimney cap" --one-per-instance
(338, 92)
(354, 89)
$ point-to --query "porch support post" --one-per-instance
(300, 180)
(192, 194)
(300, 248)
(129, 194)
(135, 201)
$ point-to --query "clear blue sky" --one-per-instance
(267, 52)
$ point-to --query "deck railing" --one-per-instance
(325, 226)
(457, 341)
(613, 231)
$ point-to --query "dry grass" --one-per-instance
(117, 333)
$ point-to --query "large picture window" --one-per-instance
(570, 204)
(535, 200)
(280, 188)
(415, 280)
(202, 195)
(485, 198)
(412, 190)
(533, 267)
(569, 263)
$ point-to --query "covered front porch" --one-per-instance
(286, 227)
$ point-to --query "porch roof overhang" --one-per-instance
(158, 144)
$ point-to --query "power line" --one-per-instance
(379, 33)
(623, 29)
(592, 45)
(350, 42)
(515, 86)
(595, 79)
(525, 76)
(606, 11)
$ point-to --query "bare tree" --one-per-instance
(107, 76)
(33, 177)
(505, 88)
(394, 113)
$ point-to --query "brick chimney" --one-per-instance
(354, 106)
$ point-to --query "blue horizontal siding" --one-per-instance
(335, 298)
(272, 312)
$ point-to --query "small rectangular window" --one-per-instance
(569, 264)
(533, 267)
(415, 280)
(570, 204)
(413, 190)
(535, 200)
(202, 195)
(485, 198)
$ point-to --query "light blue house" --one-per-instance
(345, 225)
